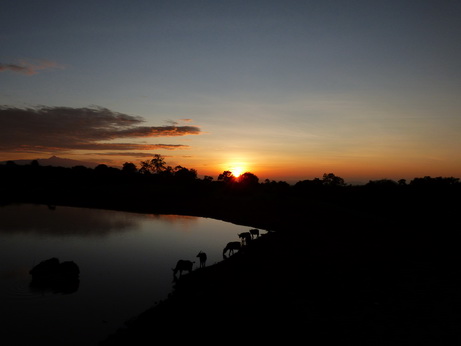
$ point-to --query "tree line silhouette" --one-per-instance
(154, 186)
(157, 169)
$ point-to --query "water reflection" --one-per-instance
(62, 220)
(54, 276)
(125, 262)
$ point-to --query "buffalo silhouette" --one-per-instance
(203, 257)
(231, 247)
(183, 265)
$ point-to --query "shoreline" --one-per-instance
(340, 275)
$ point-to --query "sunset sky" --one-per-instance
(287, 90)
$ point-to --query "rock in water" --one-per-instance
(51, 275)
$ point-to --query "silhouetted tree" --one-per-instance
(167, 172)
(276, 186)
(102, 168)
(306, 184)
(248, 179)
(145, 167)
(332, 180)
(207, 178)
(434, 182)
(158, 163)
(184, 173)
(129, 167)
(226, 177)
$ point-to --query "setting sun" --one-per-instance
(237, 170)
(236, 166)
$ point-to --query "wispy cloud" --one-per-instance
(29, 68)
(139, 153)
(161, 131)
(45, 129)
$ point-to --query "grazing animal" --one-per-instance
(246, 237)
(202, 256)
(183, 265)
(254, 233)
(231, 247)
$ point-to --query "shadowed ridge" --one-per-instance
(246, 283)
(354, 282)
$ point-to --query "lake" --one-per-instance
(125, 261)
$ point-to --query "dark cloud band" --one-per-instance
(64, 128)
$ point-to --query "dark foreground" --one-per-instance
(360, 284)
(344, 265)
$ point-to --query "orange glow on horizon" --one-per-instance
(289, 169)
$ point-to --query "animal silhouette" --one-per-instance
(254, 233)
(183, 265)
(246, 237)
(202, 256)
(231, 247)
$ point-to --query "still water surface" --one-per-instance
(125, 262)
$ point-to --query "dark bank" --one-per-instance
(374, 264)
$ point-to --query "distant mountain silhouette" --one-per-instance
(56, 161)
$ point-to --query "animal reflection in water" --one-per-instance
(182, 265)
(55, 276)
(231, 247)
(202, 256)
